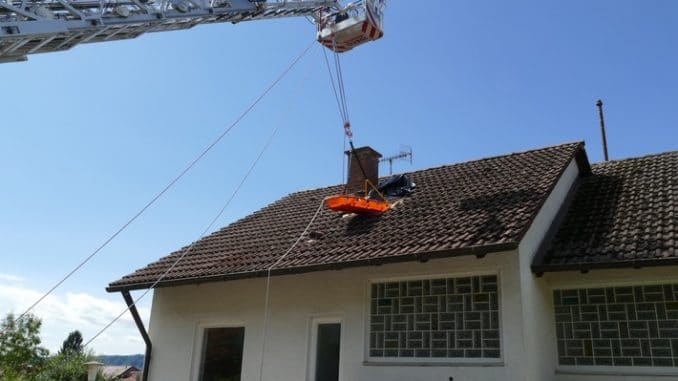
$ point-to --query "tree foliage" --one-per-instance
(72, 345)
(65, 367)
(23, 359)
(20, 352)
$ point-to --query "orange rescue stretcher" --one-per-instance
(348, 203)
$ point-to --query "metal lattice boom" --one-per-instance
(40, 26)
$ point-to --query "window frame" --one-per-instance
(430, 361)
(199, 341)
(605, 370)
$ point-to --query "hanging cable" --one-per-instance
(342, 89)
(342, 104)
(341, 114)
(190, 247)
(339, 90)
(206, 230)
(268, 286)
(343, 160)
(334, 87)
(171, 183)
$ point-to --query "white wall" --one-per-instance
(537, 304)
(180, 312)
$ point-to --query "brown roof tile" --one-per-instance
(474, 207)
(624, 215)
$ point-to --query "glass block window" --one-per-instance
(446, 318)
(618, 326)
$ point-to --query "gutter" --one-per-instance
(585, 267)
(142, 330)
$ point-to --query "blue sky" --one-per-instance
(90, 135)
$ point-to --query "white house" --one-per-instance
(531, 266)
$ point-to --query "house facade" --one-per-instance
(529, 266)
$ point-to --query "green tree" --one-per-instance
(21, 355)
(72, 345)
(68, 366)
(69, 363)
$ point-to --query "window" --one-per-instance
(618, 326)
(222, 354)
(445, 318)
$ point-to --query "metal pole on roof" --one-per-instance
(602, 128)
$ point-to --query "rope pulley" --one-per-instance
(347, 130)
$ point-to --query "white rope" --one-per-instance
(268, 288)
(190, 247)
(212, 222)
(170, 185)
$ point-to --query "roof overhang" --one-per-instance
(586, 267)
(477, 251)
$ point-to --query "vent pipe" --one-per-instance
(602, 128)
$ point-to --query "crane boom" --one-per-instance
(40, 26)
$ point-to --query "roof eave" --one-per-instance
(586, 267)
(478, 251)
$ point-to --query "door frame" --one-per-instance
(313, 345)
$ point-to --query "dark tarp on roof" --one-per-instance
(474, 207)
(394, 186)
(624, 215)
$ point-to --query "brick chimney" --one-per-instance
(369, 159)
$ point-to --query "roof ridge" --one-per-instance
(646, 156)
(263, 209)
(576, 142)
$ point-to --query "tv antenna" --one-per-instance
(404, 154)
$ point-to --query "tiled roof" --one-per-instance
(473, 208)
(118, 371)
(624, 215)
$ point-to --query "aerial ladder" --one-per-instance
(39, 26)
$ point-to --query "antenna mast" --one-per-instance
(602, 128)
(405, 152)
